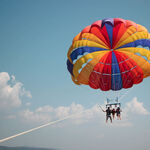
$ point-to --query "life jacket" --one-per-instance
(118, 110)
(108, 112)
(113, 111)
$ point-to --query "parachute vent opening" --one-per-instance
(145, 47)
(145, 58)
(148, 48)
(138, 54)
(142, 56)
(85, 53)
(79, 56)
(80, 70)
(84, 65)
(89, 60)
(139, 46)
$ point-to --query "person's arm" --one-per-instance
(101, 108)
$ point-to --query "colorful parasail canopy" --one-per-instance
(110, 54)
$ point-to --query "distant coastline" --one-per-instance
(23, 148)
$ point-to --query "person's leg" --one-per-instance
(106, 119)
(119, 116)
(110, 119)
(113, 116)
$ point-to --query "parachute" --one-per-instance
(111, 54)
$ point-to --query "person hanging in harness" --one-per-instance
(118, 113)
(113, 112)
(108, 114)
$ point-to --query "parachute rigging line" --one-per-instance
(101, 107)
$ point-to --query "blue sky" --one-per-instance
(34, 39)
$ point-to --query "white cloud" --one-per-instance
(135, 107)
(44, 109)
(87, 115)
(11, 92)
(63, 111)
(26, 93)
(30, 116)
(48, 113)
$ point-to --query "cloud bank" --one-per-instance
(136, 107)
(48, 113)
(11, 92)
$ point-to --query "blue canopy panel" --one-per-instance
(141, 42)
(116, 80)
(70, 67)
(82, 50)
(109, 28)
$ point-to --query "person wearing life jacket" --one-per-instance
(118, 113)
(113, 112)
(108, 114)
